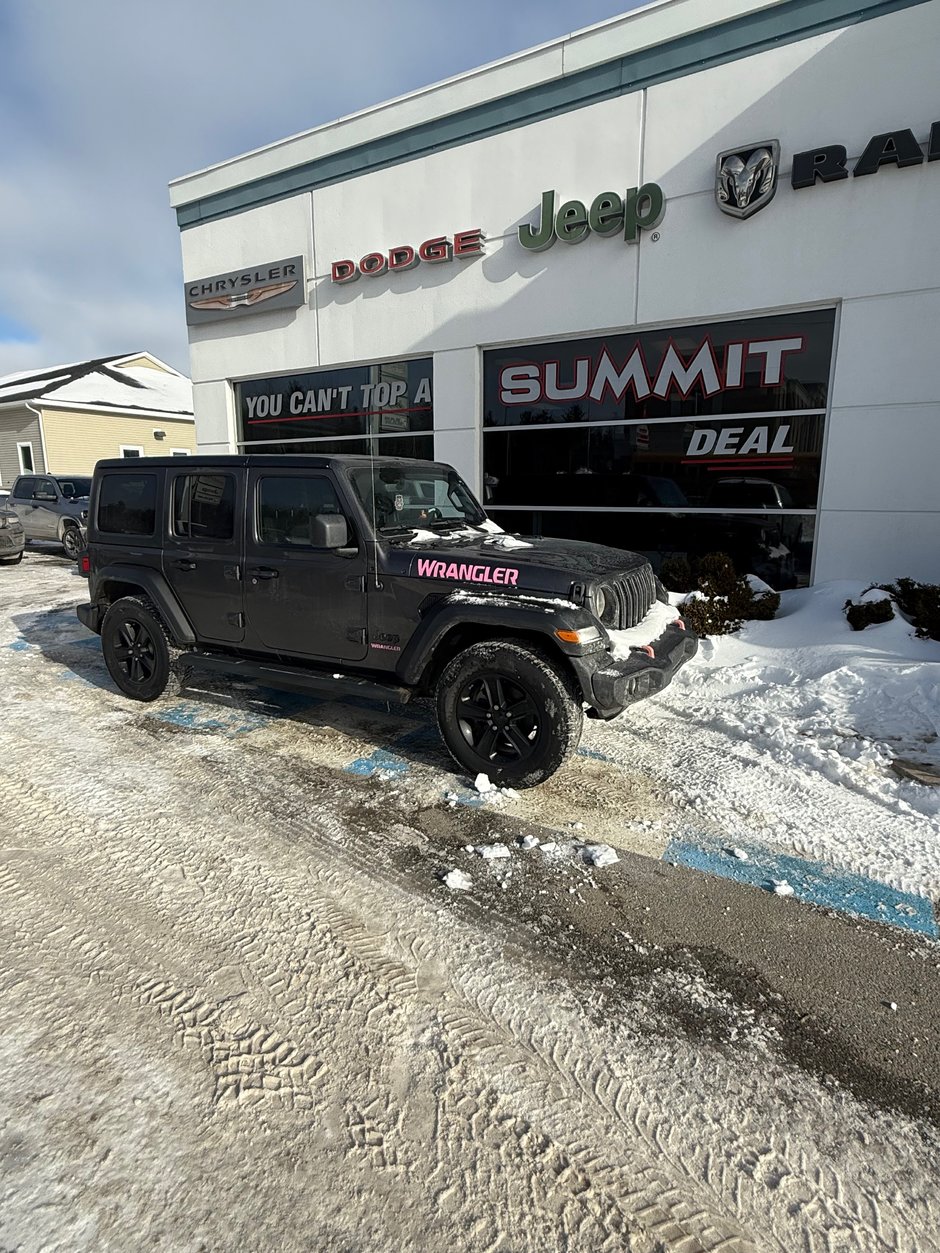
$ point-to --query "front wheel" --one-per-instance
(137, 650)
(508, 711)
(73, 543)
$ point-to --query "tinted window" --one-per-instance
(287, 506)
(75, 487)
(127, 504)
(204, 506)
(45, 488)
(23, 488)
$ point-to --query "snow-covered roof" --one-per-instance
(104, 383)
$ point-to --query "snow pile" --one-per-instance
(651, 628)
(599, 854)
(784, 733)
(491, 852)
(457, 881)
(492, 793)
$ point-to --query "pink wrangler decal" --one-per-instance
(504, 576)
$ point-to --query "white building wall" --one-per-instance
(868, 244)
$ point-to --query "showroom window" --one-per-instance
(673, 442)
(382, 410)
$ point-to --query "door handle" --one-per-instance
(263, 572)
(184, 563)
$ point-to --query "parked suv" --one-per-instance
(12, 540)
(372, 577)
(53, 507)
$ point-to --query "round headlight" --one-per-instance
(597, 602)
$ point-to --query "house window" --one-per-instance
(179, 452)
(26, 458)
(132, 450)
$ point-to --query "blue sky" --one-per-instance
(103, 102)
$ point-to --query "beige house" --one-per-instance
(64, 419)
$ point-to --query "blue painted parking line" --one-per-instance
(595, 755)
(813, 882)
(21, 646)
(192, 717)
(378, 762)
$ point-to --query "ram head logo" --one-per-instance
(746, 178)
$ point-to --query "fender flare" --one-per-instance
(153, 584)
(65, 521)
(526, 617)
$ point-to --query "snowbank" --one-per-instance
(802, 701)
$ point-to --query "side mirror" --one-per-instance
(329, 530)
(43, 496)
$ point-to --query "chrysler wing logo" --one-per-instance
(236, 300)
(746, 178)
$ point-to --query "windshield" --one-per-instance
(416, 498)
(74, 486)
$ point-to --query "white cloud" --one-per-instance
(104, 102)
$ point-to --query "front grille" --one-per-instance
(629, 598)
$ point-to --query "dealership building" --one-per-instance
(671, 283)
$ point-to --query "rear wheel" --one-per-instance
(137, 650)
(507, 711)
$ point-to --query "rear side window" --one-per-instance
(23, 488)
(204, 506)
(127, 504)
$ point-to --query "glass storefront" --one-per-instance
(672, 442)
(383, 410)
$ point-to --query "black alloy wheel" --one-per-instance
(498, 718)
(137, 651)
(509, 711)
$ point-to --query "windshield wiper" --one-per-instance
(447, 524)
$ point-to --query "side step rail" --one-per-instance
(296, 678)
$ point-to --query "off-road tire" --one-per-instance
(13, 561)
(140, 656)
(535, 711)
(72, 542)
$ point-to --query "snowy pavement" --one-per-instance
(244, 1008)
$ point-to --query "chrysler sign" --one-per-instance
(274, 285)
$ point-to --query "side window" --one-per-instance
(44, 490)
(127, 504)
(204, 506)
(23, 489)
(286, 507)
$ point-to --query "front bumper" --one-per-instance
(611, 684)
(12, 541)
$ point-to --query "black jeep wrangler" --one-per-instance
(372, 577)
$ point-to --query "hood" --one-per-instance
(524, 563)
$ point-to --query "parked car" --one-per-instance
(53, 507)
(12, 539)
(372, 577)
